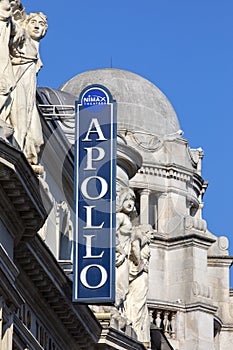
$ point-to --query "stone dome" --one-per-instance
(141, 106)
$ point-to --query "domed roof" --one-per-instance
(141, 106)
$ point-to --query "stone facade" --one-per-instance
(176, 292)
(187, 298)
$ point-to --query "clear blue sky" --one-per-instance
(183, 47)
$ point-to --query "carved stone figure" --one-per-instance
(132, 260)
(18, 11)
(135, 305)
(26, 63)
(125, 207)
(7, 80)
(64, 228)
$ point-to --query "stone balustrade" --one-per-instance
(165, 320)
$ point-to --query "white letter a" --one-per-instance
(97, 129)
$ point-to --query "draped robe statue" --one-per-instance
(19, 64)
(132, 264)
(136, 301)
(24, 116)
(7, 79)
(125, 206)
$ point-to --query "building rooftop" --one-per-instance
(141, 106)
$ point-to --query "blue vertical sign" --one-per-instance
(95, 189)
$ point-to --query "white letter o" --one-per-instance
(104, 187)
(83, 276)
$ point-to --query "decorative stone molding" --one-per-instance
(146, 141)
(128, 158)
(108, 316)
(166, 172)
(223, 243)
(151, 142)
(220, 248)
(220, 261)
(42, 278)
(25, 203)
(203, 307)
(199, 290)
(192, 239)
(8, 276)
(171, 171)
(193, 223)
(10, 298)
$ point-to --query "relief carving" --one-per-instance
(200, 290)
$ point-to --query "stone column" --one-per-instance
(144, 206)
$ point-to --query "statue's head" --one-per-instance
(125, 200)
(36, 25)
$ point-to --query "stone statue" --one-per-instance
(124, 208)
(26, 63)
(132, 262)
(18, 11)
(19, 64)
(135, 305)
(7, 80)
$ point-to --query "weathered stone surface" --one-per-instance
(19, 64)
(141, 106)
(189, 266)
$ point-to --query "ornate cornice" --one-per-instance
(188, 239)
(40, 269)
(177, 306)
(8, 275)
(25, 203)
(203, 307)
(166, 171)
(174, 172)
(220, 261)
